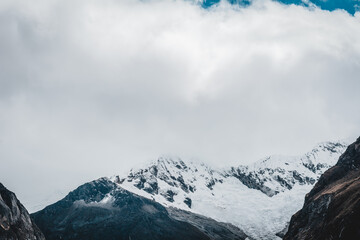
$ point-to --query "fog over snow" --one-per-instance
(90, 88)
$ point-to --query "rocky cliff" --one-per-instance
(15, 221)
(332, 208)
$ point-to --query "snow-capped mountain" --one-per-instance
(276, 174)
(259, 199)
(101, 209)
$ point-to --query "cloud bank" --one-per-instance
(91, 88)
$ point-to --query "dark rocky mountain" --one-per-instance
(217, 230)
(15, 221)
(332, 208)
(103, 210)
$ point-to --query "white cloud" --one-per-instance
(89, 88)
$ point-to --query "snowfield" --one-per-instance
(259, 199)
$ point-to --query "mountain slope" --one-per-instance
(102, 210)
(259, 199)
(276, 174)
(15, 221)
(332, 208)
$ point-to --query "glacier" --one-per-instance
(259, 199)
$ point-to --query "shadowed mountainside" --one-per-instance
(102, 210)
(332, 208)
(15, 221)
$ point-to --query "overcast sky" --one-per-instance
(90, 88)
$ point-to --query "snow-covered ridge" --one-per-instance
(275, 174)
(259, 198)
(171, 181)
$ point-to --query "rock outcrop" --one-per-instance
(332, 208)
(15, 221)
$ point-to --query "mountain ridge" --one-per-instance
(274, 182)
(259, 198)
(102, 210)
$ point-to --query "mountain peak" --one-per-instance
(120, 214)
(273, 183)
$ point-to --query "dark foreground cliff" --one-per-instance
(332, 208)
(15, 221)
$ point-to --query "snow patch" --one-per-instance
(106, 202)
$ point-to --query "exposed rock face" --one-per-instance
(15, 221)
(171, 177)
(217, 230)
(276, 186)
(277, 174)
(102, 210)
(332, 208)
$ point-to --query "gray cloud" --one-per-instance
(91, 88)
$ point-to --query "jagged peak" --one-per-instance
(174, 165)
(171, 165)
(279, 160)
(169, 176)
(192, 185)
(332, 146)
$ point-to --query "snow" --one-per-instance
(223, 197)
(106, 202)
